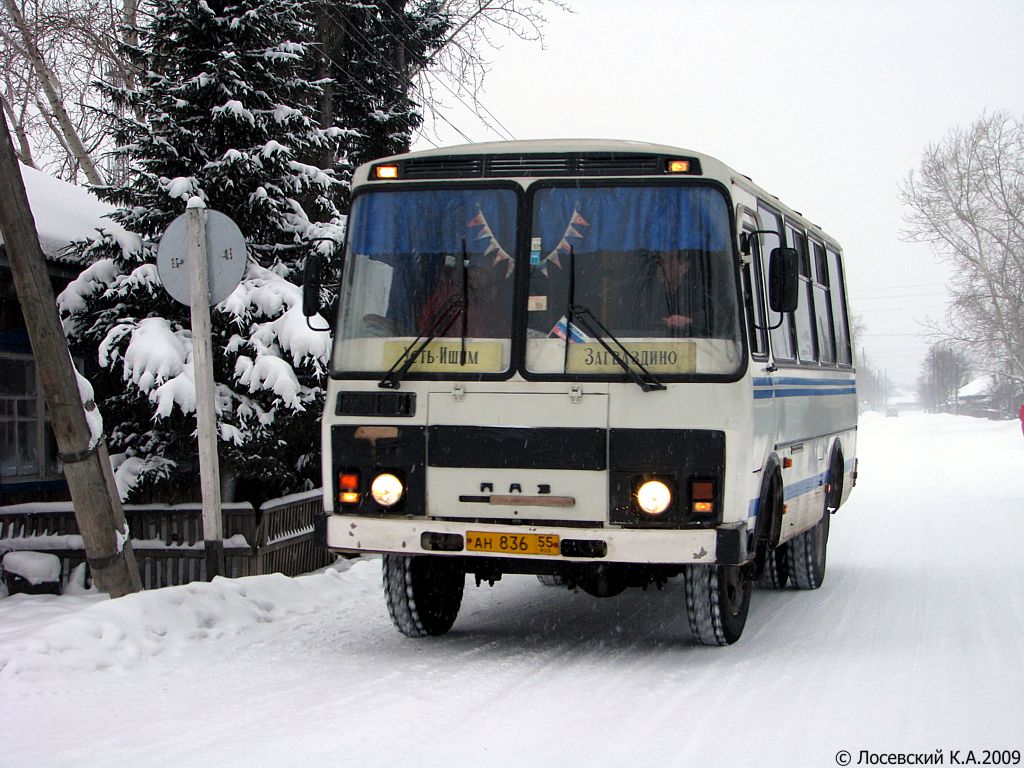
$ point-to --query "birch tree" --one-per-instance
(53, 51)
(967, 201)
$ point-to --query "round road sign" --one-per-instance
(226, 256)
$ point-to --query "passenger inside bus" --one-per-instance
(661, 299)
(488, 295)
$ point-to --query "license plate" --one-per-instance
(512, 543)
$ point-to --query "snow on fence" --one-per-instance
(167, 540)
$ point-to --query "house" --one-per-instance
(29, 467)
(988, 397)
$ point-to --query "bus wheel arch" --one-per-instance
(768, 528)
(836, 478)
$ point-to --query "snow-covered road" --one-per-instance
(915, 643)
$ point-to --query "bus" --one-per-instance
(604, 363)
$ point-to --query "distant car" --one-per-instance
(892, 411)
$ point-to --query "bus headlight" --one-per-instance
(654, 497)
(386, 489)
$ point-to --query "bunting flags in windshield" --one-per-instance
(572, 232)
(493, 247)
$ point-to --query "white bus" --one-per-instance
(604, 363)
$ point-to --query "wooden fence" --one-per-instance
(167, 540)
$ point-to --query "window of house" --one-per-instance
(27, 447)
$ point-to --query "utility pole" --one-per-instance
(86, 463)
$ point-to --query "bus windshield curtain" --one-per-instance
(394, 223)
(606, 219)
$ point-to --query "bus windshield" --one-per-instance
(649, 267)
(422, 263)
(652, 265)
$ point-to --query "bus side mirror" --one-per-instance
(783, 279)
(311, 284)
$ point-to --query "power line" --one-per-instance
(507, 133)
(901, 287)
(368, 49)
(892, 297)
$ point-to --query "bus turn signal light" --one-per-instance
(702, 497)
(678, 166)
(348, 487)
(386, 172)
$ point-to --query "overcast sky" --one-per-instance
(826, 104)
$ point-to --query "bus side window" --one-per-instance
(803, 318)
(753, 300)
(823, 307)
(841, 322)
(782, 335)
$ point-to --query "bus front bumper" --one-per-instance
(725, 544)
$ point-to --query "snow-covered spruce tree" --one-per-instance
(225, 115)
(372, 52)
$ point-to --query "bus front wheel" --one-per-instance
(717, 601)
(423, 593)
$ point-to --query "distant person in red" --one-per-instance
(1020, 415)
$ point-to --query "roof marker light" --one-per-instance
(678, 166)
(386, 172)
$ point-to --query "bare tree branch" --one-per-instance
(967, 201)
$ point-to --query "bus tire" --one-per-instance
(807, 555)
(717, 602)
(809, 550)
(776, 568)
(423, 593)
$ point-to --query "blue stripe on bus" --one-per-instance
(764, 381)
(765, 388)
(821, 382)
(813, 392)
(799, 489)
(804, 486)
(761, 394)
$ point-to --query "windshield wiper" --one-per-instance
(438, 325)
(643, 379)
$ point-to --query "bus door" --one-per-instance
(752, 276)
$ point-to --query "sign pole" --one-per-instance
(202, 361)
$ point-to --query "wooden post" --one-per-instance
(86, 464)
(202, 362)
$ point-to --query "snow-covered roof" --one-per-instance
(64, 212)
(979, 387)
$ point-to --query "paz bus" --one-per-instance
(604, 363)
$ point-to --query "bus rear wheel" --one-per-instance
(423, 593)
(717, 602)
(807, 553)
(776, 568)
